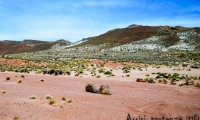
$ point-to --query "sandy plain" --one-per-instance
(139, 100)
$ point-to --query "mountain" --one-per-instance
(28, 45)
(130, 39)
(138, 37)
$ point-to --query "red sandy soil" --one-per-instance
(129, 97)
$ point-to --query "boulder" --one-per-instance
(91, 88)
(105, 90)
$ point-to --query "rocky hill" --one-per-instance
(138, 37)
(28, 45)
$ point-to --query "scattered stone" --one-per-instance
(105, 90)
(91, 88)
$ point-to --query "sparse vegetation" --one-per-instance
(98, 76)
(64, 99)
(19, 81)
(108, 73)
(147, 75)
(3, 91)
(61, 106)
(48, 96)
(7, 78)
(16, 118)
(196, 84)
(127, 75)
(33, 97)
(52, 102)
(69, 101)
(150, 80)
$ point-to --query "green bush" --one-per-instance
(101, 70)
(150, 80)
(108, 73)
(195, 66)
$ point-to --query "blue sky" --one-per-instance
(73, 20)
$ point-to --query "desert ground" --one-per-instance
(136, 99)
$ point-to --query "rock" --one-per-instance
(91, 88)
(105, 90)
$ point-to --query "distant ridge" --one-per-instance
(28, 45)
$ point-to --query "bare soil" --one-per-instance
(129, 97)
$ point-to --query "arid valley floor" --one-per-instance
(149, 100)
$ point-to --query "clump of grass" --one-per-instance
(69, 100)
(33, 97)
(157, 67)
(101, 70)
(48, 96)
(140, 69)
(150, 80)
(126, 70)
(76, 75)
(7, 78)
(147, 75)
(61, 106)
(108, 73)
(64, 99)
(19, 81)
(16, 118)
(196, 84)
(98, 76)
(3, 91)
(162, 81)
(68, 72)
(42, 80)
(52, 102)
(127, 75)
